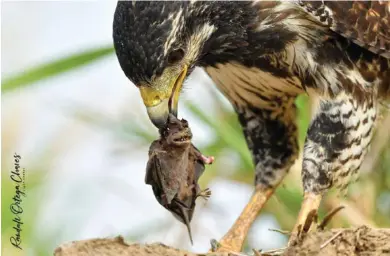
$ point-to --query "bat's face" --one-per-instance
(177, 132)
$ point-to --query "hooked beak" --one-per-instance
(160, 102)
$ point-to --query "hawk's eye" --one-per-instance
(175, 56)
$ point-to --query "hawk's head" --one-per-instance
(159, 43)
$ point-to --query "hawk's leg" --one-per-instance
(336, 142)
(271, 137)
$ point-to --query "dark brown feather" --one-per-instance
(365, 23)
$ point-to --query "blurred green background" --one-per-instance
(48, 221)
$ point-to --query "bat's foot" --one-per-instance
(205, 194)
(233, 241)
(307, 215)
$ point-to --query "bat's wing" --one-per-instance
(153, 178)
(152, 172)
(153, 165)
(161, 174)
(199, 169)
(199, 165)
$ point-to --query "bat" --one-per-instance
(174, 168)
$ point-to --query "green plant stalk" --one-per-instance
(54, 68)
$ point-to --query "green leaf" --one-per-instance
(55, 67)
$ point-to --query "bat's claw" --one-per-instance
(205, 194)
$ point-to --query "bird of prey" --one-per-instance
(262, 55)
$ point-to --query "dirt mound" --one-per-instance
(362, 241)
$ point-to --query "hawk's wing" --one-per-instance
(367, 23)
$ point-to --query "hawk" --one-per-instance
(262, 55)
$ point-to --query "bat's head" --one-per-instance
(177, 132)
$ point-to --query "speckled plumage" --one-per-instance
(261, 55)
(367, 23)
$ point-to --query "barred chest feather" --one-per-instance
(347, 80)
(253, 87)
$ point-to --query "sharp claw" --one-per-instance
(283, 232)
(304, 229)
(223, 248)
(328, 217)
(214, 245)
(307, 215)
(311, 217)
